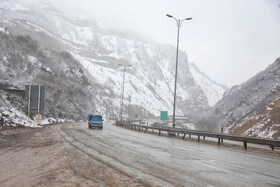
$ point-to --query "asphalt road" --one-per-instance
(120, 157)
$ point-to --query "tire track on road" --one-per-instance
(145, 178)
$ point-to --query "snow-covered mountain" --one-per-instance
(213, 90)
(93, 54)
(251, 108)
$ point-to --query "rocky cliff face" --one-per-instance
(247, 101)
(79, 63)
(24, 62)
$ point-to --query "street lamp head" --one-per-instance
(188, 18)
(168, 15)
(125, 65)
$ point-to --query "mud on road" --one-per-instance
(42, 157)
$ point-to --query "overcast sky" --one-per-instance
(229, 40)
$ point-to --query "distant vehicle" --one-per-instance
(95, 121)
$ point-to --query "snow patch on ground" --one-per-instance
(260, 130)
(190, 126)
(13, 117)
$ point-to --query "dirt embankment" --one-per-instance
(268, 120)
(41, 157)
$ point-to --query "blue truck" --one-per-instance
(95, 121)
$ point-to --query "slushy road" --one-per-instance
(72, 154)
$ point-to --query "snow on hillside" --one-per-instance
(15, 6)
(149, 82)
(133, 95)
(213, 91)
(13, 117)
(264, 124)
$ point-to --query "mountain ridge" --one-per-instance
(99, 52)
(246, 101)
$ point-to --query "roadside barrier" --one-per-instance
(184, 132)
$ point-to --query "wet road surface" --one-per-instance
(168, 161)
(138, 159)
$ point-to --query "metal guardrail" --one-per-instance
(220, 137)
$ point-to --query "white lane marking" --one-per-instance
(183, 148)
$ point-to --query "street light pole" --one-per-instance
(179, 24)
(124, 69)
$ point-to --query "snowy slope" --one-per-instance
(264, 124)
(213, 91)
(150, 80)
(245, 109)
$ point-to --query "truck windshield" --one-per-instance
(95, 118)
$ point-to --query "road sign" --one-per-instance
(35, 94)
(164, 115)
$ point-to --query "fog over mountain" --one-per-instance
(81, 64)
(78, 61)
(224, 38)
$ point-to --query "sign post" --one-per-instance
(35, 95)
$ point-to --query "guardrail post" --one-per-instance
(198, 138)
(184, 136)
(272, 147)
(204, 138)
(219, 141)
(145, 130)
(245, 144)
(159, 132)
(190, 136)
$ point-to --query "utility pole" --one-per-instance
(122, 96)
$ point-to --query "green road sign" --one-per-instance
(164, 115)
